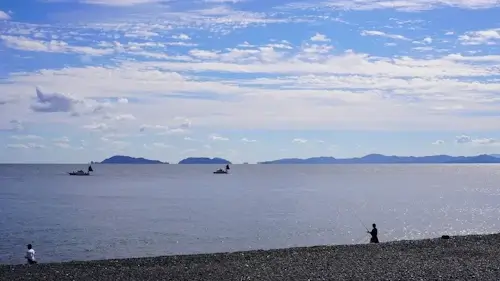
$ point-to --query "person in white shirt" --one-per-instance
(30, 255)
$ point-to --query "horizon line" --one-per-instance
(248, 163)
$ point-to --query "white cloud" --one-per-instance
(298, 140)
(26, 137)
(203, 54)
(464, 139)
(485, 141)
(146, 127)
(180, 125)
(438, 142)
(161, 145)
(481, 37)
(120, 117)
(53, 102)
(175, 131)
(248, 140)
(423, 49)
(25, 146)
(120, 2)
(17, 146)
(330, 89)
(320, 38)
(53, 46)
(123, 100)
(224, 1)
(16, 125)
(382, 34)
(59, 102)
(215, 137)
(182, 36)
(182, 122)
(62, 145)
(407, 6)
(97, 127)
(427, 40)
(4, 15)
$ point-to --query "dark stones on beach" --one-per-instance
(460, 258)
(445, 237)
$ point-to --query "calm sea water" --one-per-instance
(148, 210)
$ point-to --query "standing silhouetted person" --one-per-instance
(30, 255)
(374, 234)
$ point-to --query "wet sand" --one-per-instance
(458, 258)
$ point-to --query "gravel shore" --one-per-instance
(458, 258)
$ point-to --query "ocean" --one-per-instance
(126, 211)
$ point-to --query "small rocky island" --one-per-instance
(120, 159)
(204, 160)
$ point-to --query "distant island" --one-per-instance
(204, 160)
(383, 159)
(120, 159)
(368, 159)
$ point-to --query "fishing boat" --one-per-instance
(220, 171)
(81, 172)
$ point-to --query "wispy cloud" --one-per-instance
(25, 146)
(215, 137)
(26, 137)
(465, 139)
(405, 6)
(171, 72)
(52, 46)
(181, 37)
(4, 15)
(119, 2)
(97, 127)
(320, 38)
(383, 34)
(488, 37)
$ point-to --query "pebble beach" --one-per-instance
(475, 257)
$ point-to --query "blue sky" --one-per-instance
(83, 80)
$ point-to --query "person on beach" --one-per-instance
(30, 255)
(374, 234)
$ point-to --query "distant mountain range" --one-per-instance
(368, 159)
(383, 159)
(204, 160)
(120, 159)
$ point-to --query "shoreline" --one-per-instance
(458, 258)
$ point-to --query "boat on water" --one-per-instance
(220, 171)
(81, 172)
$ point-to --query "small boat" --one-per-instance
(79, 173)
(220, 171)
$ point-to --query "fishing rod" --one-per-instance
(361, 222)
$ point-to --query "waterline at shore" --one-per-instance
(475, 257)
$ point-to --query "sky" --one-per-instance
(82, 80)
